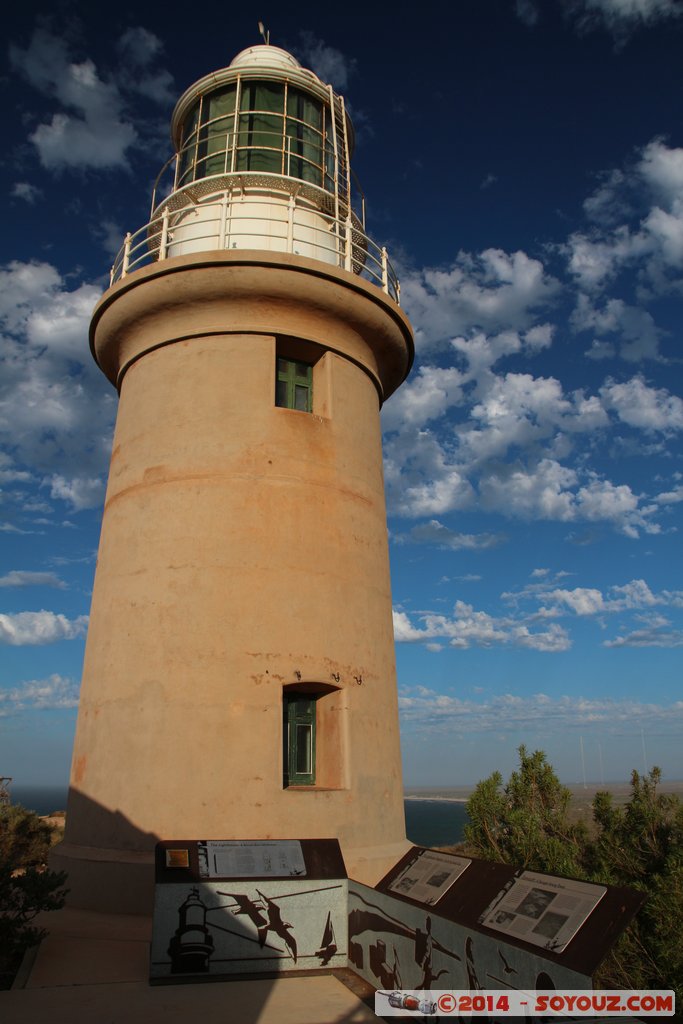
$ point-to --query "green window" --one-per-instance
(294, 385)
(188, 149)
(276, 129)
(213, 151)
(304, 136)
(259, 139)
(299, 740)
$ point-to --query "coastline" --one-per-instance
(435, 799)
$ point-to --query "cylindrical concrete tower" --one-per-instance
(239, 678)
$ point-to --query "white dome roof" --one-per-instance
(264, 56)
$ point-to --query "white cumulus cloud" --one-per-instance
(56, 408)
(620, 18)
(623, 240)
(492, 291)
(426, 396)
(468, 627)
(642, 406)
(29, 193)
(436, 533)
(90, 130)
(329, 64)
(535, 714)
(53, 693)
(79, 492)
(582, 600)
(26, 578)
(41, 627)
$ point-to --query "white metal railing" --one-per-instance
(255, 218)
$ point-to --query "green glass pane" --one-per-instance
(264, 160)
(281, 394)
(302, 370)
(190, 122)
(259, 143)
(185, 163)
(298, 132)
(215, 164)
(305, 707)
(217, 133)
(329, 159)
(301, 398)
(218, 104)
(304, 108)
(264, 130)
(303, 749)
(304, 149)
(263, 96)
(217, 145)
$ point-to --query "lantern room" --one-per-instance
(263, 114)
(261, 161)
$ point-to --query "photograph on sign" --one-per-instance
(257, 858)
(429, 876)
(177, 858)
(543, 910)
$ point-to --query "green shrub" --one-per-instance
(639, 845)
(25, 839)
(26, 886)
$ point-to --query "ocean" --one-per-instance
(435, 822)
(41, 799)
(428, 822)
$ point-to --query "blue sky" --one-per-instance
(523, 163)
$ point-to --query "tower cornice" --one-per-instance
(244, 292)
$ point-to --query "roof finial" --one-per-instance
(264, 35)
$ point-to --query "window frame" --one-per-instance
(289, 372)
(299, 711)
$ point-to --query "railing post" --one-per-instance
(233, 151)
(111, 276)
(348, 245)
(126, 255)
(290, 225)
(385, 270)
(223, 221)
(163, 244)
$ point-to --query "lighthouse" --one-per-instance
(239, 678)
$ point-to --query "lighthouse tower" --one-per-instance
(239, 677)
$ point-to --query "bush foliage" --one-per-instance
(26, 886)
(526, 823)
(25, 839)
